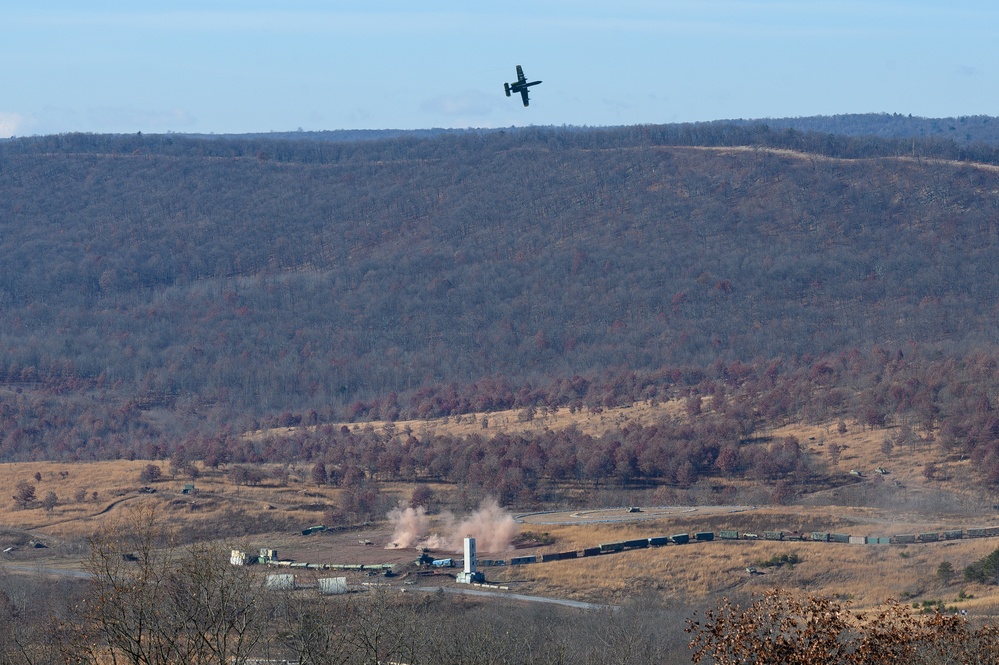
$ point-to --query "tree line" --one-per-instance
(727, 411)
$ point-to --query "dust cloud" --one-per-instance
(492, 526)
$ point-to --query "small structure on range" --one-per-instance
(469, 574)
(240, 558)
(331, 586)
(282, 582)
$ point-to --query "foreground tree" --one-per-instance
(154, 603)
(33, 612)
(779, 628)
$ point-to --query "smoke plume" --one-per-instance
(492, 527)
(411, 526)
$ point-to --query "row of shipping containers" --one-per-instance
(675, 539)
(606, 548)
(832, 537)
(707, 536)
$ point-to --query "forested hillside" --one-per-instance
(152, 285)
(963, 130)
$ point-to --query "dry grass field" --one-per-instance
(901, 501)
(866, 575)
(512, 422)
(116, 484)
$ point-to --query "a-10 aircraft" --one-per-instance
(520, 86)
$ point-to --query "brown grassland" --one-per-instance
(902, 501)
(512, 422)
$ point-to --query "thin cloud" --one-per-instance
(114, 119)
(131, 119)
(468, 102)
(287, 21)
(11, 124)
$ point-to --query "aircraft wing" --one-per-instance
(520, 75)
(523, 94)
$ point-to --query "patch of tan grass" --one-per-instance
(861, 450)
(117, 484)
(512, 421)
(866, 575)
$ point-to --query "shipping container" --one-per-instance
(659, 541)
(680, 539)
(329, 586)
(313, 529)
(284, 582)
(704, 536)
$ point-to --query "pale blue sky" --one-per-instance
(255, 66)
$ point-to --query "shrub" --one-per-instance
(150, 474)
(24, 494)
(985, 570)
(780, 628)
(778, 560)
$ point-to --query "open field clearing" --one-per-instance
(631, 514)
(515, 421)
(272, 514)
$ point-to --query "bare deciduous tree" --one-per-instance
(780, 628)
(24, 494)
(50, 501)
(153, 603)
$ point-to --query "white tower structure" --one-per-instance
(469, 574)
(469, 556)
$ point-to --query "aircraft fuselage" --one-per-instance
(520, 86)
